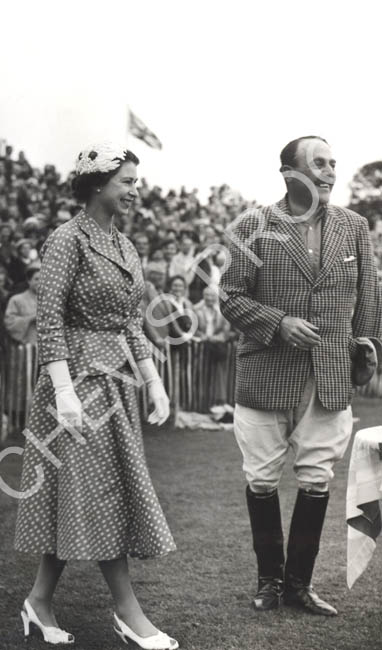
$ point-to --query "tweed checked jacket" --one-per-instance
(270, 276)
(88, 300)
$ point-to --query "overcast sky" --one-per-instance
(223, 84)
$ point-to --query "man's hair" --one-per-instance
(288, 154)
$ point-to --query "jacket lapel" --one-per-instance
(289, 237)
(334, 233)
(99, 242)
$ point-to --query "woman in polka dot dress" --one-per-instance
(88, 493)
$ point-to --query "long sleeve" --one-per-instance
(59, 267)
(135, 337)
(257, 321)
(367, 319)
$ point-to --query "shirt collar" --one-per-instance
(320, 216)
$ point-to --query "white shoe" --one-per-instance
(159, 641)
(52, 635)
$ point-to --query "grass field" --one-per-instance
(202, 593)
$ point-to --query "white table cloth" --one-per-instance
(364, 493)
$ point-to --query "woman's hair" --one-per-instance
(176, 277)
(29, 273)
(83, 185)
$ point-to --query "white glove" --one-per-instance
(161, 402)
(68, 404)
(156, 392)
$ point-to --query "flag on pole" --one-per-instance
(138, 129)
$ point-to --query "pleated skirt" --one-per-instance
(88, 495)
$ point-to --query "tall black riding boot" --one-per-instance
(268, 544)
(303, 546)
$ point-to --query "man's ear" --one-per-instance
(285, 168)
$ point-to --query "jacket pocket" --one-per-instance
(250, 347)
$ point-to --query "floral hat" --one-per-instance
(99, 157)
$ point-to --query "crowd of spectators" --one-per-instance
(180, 241)
(376, 237)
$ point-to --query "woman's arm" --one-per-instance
(60, 262)
(156, 391)
(136, 338)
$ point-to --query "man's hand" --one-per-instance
(299, 333)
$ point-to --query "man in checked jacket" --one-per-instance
(301, 286)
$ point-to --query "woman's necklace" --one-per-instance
(110, 234)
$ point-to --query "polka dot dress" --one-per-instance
(96, 500)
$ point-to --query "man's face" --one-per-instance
(169, 251)
(151, 230)
(142, 245)
(314, 160)
(158, 279)
(186, 245)
(210, 297)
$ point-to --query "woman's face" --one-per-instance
(34, 281)
(142, 245)
(178, 288)
(120, 191)
(24, 250)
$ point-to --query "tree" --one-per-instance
(366, 192)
